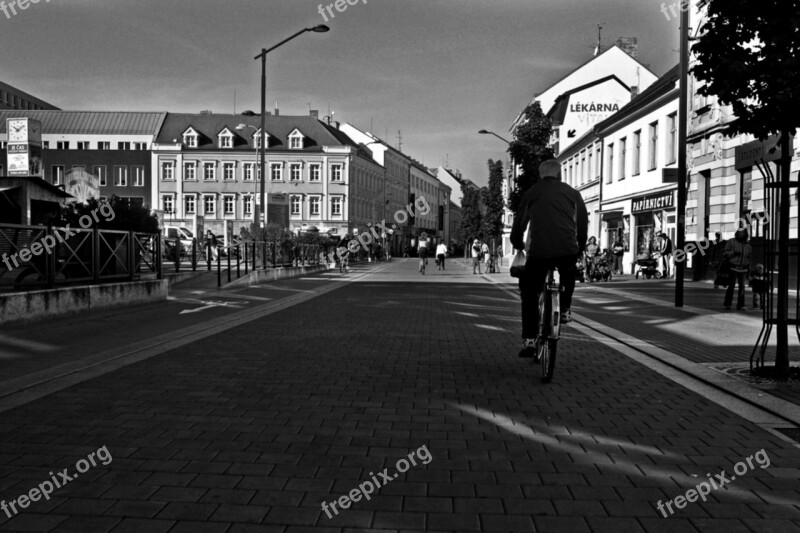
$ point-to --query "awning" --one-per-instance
(611, 215)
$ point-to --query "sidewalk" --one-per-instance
(251, 430)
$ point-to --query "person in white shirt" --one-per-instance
(476, 254)
(441, 253)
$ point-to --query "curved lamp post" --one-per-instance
(263, 57)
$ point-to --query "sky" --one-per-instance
(437, 71)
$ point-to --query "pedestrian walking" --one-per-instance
(212, 244)
(422, 252)
(665, 249)
(717, 262)
(485, 255)
(737, 252)
(476, 256)
(618, 250)
(441, 253)
(590, 252)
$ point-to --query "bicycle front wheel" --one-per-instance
(547, 358)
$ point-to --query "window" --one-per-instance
(313, 206)
(228, 171)
(190, 138)
(610, 169)
(672, 142)
(210, 204)
(190, 204)
(168, 203)
(637, 152)
(103, 145)
(276, 171)
(62, 145)
(167, 170)
(45, 145)
(248, 171)
(336, 206)
(83, 145)
(121, 176)
(248, 205)
(295, 203)
(140, 146)
(336, 173)
(102, 175)
(209, 171)
(58, 174)
(314, 173)
(295, 172)
(123, 146)
(190, 171)
(653, 146)
(225, 141)
(295, 140)
(623, 157)
(229, 203)
(138, 176)
(589, 168)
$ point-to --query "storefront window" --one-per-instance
(644, 234)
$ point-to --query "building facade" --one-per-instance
(207, 166)
(92, 153)
(12, 98)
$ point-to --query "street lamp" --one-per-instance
(321, 28)
(513, 165)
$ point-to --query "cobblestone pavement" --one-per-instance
(252, 429)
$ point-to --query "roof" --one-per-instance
(316, 132)
(30, 98)
(663, 86)
(12, 182)
(90, 122)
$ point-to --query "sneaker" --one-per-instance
(528, 349)
(566, 316)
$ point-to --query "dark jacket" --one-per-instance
(557, 217)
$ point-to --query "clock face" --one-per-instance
(17, 130)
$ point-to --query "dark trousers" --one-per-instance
(733, 278)
(441, 260)
(618, 264)
(532, 283)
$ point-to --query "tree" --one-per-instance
(528, 149)
(748, 55)
(470, 214)
(493, 200)
(119, 214)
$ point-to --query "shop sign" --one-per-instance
(750, 154)
(653, 202)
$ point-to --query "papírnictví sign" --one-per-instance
(653, 202)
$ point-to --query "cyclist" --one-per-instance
(422, 252)
(557, 222)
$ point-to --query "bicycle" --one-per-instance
(549, 324)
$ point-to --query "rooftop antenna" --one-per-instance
(399, 141)
(234, 100)
(599, 38)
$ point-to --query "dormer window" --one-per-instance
(257, 139)
(225, 138)
(190, 138)
(296, 140)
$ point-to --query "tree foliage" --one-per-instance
(529, 148)
(749, 57)
(121, 216)
(493, 200)
(471, 227)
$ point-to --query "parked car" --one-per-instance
(184, 235)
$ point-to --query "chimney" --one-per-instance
(337, 124)
(314, 113)
(634, 92)
(629, 45)
(277, 112)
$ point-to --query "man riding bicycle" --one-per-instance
(557, 222)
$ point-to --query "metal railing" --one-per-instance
(36, 256)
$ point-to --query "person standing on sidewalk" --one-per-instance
(441, 253)
(422, 252)
(476, 256)
(717, 249)
(557, 222)
(665, 249)
(737, 252)
(618, 250)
